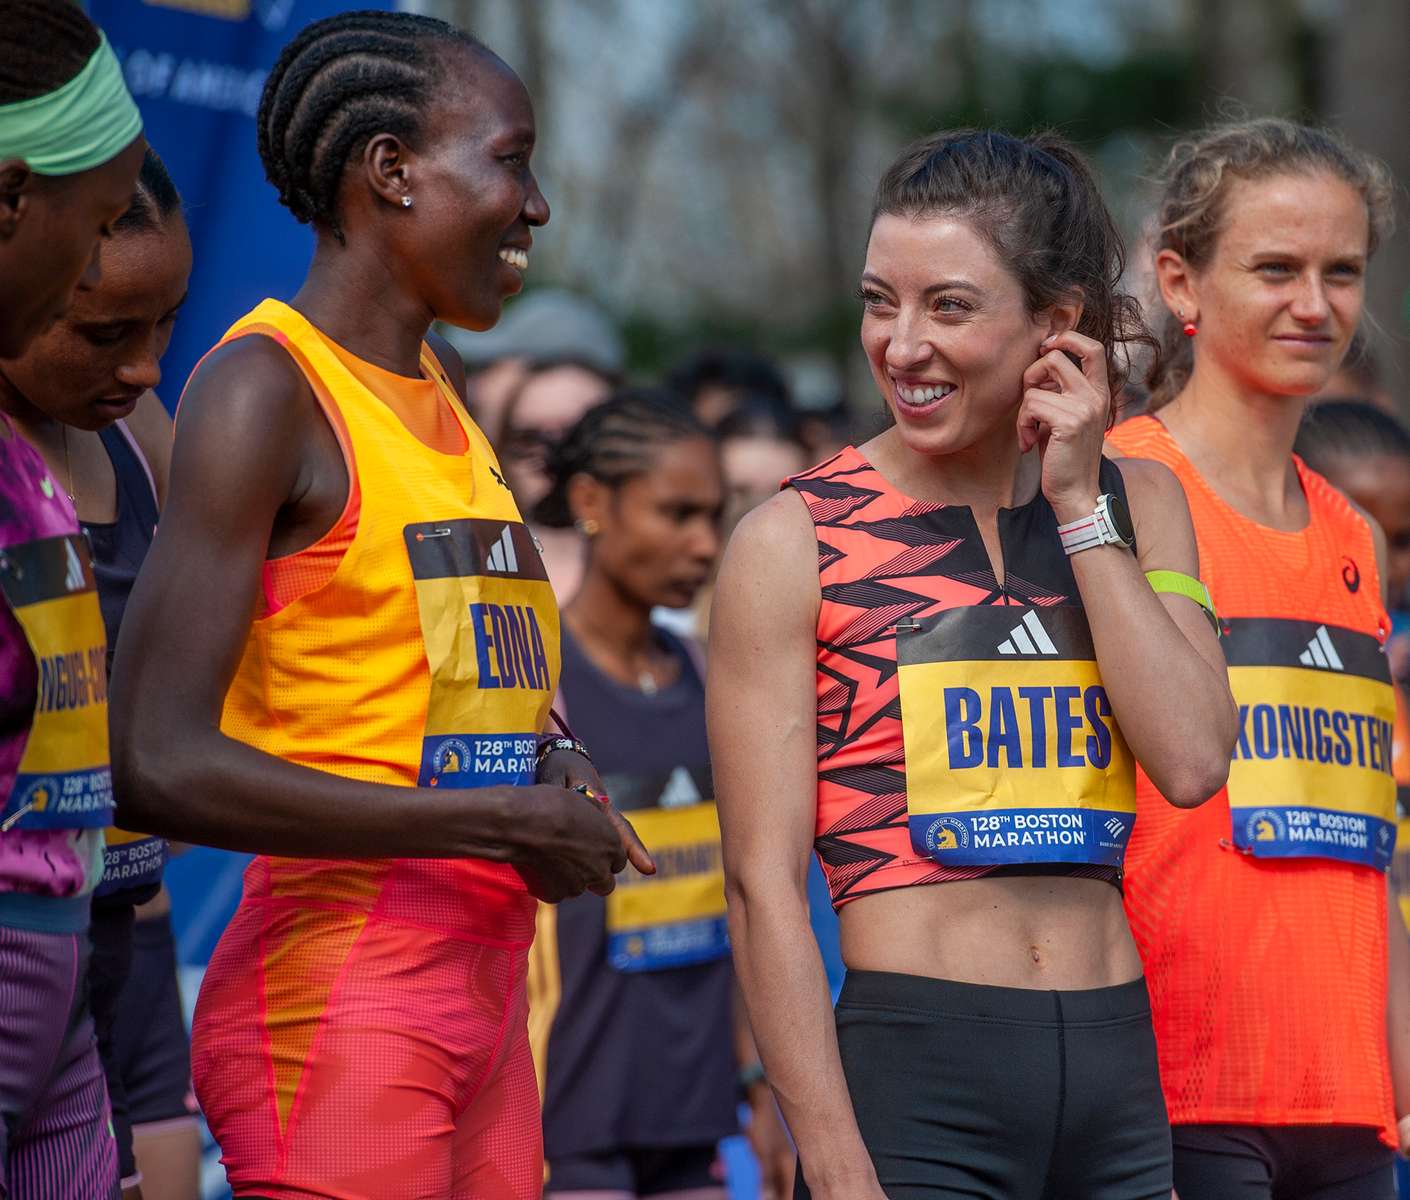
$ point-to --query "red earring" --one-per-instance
(1190, 329)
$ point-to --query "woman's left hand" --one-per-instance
(1064, 413)
(571, 770)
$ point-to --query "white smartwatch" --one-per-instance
(1109, 524)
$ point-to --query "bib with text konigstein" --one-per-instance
(1012, 752)
(63, 780)
(490, 624)
(1311, 772)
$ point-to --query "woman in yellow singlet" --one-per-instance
(342, 652)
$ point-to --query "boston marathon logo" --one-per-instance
(509, 647)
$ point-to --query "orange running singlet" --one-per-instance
(1263, 925)
(962, 728)
(361, 1031)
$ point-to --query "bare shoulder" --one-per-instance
(247, 385)
(771, 561)
(150, 426)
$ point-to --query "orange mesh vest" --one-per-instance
(427, 658)
(1261, 919)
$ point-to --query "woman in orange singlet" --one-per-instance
(1262, 918)
(343, 647)
(934, 658)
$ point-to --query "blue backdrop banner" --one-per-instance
(197, 68)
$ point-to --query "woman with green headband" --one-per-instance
(70, 149)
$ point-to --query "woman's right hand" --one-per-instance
(567, 844)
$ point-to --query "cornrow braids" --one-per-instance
(1349, 429)
(614, 442)
(43, 44)
(340, 82)
(154, 200)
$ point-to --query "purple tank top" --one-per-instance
(33, 862)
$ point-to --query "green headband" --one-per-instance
(81, 125)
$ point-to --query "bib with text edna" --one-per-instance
(1012, 752)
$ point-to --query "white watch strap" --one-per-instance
(1087, 532)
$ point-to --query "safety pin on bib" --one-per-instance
(909, 625)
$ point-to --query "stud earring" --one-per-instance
(587, 527)
(406, 201)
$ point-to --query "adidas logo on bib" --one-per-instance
(1321, 653)
(502, 557)
(73, 575)
(1028, 637)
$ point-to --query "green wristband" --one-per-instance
(1176, 583)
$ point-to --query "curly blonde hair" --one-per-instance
(1197, 179)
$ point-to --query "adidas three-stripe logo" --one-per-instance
(502, 557)
(73, 574)
(1028, 637)
(1321, 653)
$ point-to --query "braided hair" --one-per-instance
(339, 83)
(615, 442)
(1338, 429)
(43, 45)
(154, 200)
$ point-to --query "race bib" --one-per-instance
(63, 780)
(490, 624)
(1012, 752)
(675, 918)
(1312, 768)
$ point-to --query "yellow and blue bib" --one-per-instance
(1311, 772)
(1012, 752)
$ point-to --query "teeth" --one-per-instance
(519, 259)
(923, 395)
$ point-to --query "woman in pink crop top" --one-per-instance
(936, 658)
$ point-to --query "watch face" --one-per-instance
(1120, 517)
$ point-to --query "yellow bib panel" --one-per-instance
(1012, 752)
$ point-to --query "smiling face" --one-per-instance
(946, 330)
(90, 367)
(1282, 293)
(475, 199)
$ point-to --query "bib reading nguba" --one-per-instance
(1012, 752)
(1311, 770)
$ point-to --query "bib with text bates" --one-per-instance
(675, 918)
(1311, 772)
(63, 781)
(1012, 753)
(490, 624)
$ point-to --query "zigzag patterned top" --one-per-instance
(885, 558)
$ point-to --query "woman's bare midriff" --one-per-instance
(1031, 931)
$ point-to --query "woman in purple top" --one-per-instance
(70, 148)
(82, 396)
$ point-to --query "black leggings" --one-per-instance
(993, 1093)
(1282, 1162)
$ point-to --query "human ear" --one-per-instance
(385, 165)
(1063, 316)
(16, 181)
(1177, 285)
(589, 500)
